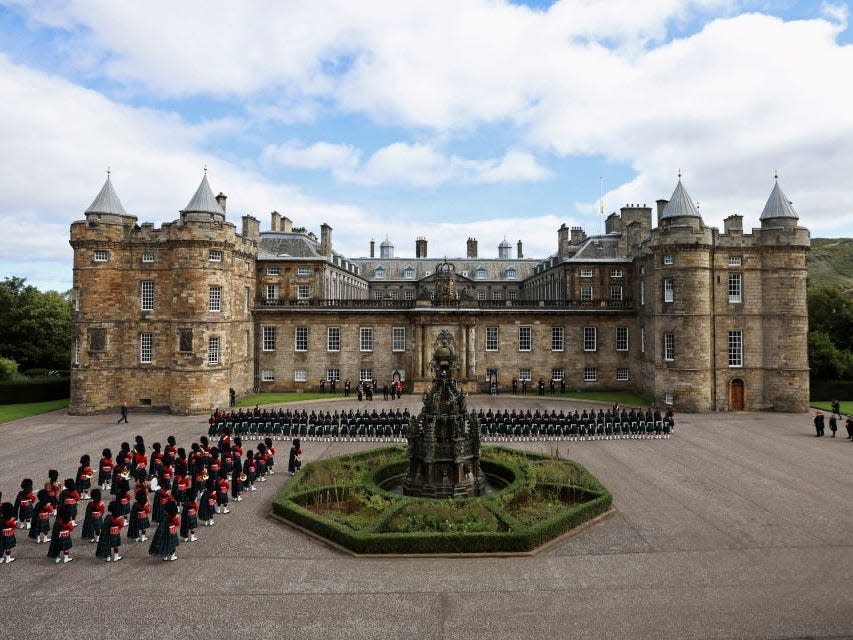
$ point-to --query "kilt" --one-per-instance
(109, 540)
(165, 540)
(91, 526)
(189, 522)
(7, 539)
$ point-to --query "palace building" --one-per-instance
(175, 316)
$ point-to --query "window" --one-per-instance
(409, 294)
(586, 293)
(365, 375)
(590, 374)
(558, 341)
(511, 274)
(524, 375)
(185, 340)
(512, 295)
(333, 375)
(398, 339)
(75, 296)
(491, 338)
(213, 350)
(481, 295)
(735, 287)
(590, 338)
(97, 339)
(616, 273)
(557, 374)
(76, 351)
(272, 292)
(246, 343)
(214, 255)
(616, 292)
(668, 290)
(300, 375)
(377, 295)
(735, 261)
(146, 347)
(393, 294)
(273, 271)
(333, 339)
(668, 260)
(365, 339)
(379, 273)
(214, 302)
(268, 335)
(246, 295)
(409, 273)
(303, 271)
(302, 292)
(147, 256)
(586, 273)
(736, 348)
(642, 292)
(668, 398)
(622, 374)
(524, 338)
(621, 338)
(497, 295)
(300, 339)
(267, 375)
(480, 273)
(669, 347)
(146, 295)
(642, 339)
(101, 255)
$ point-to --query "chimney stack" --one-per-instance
(661, 206)
(733, 224)
(326, 240)
(251, 228)
(563, 241)
(421, 247)
(275, 221)
(519, 252)
(472, 247)
(286, 224)
(578, 235)
(221, 198)
(372, 248)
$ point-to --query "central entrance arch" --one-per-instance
(736, 395)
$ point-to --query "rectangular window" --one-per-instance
(497, 295)
(735, 288)
(524, 334)
(146, 295)
(669, 347)
(621, 338)
(365, 339)
(101, 255)
(214, 255)
(557, 374)
(97, 339)
(302, 292)
(398, 339)
(616, 292)
(267, 375)
(642, 339)
(622, 374)
(76, 351)
(146, 347)
(668, 290)
(147, 256)
(491, 338)
(590, 374)
(272, 292)
(246, 343)
(333, 339)
(365, 375)
(246, 297)
(668, 260)
(524, 375)
(300, 375)
(736, 348)
(75, 293)
(213, 350)
(300, 339)
(512, 295)
(558, 339)
(735, 261)
(377, 295)
(273, 271)
(409, 294)
(393, 294)
(586, 293)
(642, 292)
(185, 340)
(268, 335)
(668, 398)
(303, 271)
(590, 338)
(586, 273)
(616, 273)
(481, 295)
(214, 302)
(333, 375)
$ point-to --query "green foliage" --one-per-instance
(35, 326)
(20, 389)
(444, 516)
(284, 398)
(8, 368)
(830, 264)
(846, 406)
(830, 334)
(25, 410)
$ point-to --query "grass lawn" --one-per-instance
(24, 410)
(283, 398)
(826, 405)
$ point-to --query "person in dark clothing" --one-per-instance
(833, 425)
(385, 392)
(514, 386)
(123, 413)
(849, 425)
(819, 424)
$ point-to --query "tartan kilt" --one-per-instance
(40, 526)
(91, 526)
(164, 542)
(25, 513)
(261, 468)
(7, 539)
(107, 542)
(188, 523)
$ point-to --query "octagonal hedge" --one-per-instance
(340, 499)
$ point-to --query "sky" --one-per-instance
(446, 119)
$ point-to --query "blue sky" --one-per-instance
(445, 119)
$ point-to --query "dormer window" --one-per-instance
(379, 273)
(511, 274)
(480, 273)
(409, 273)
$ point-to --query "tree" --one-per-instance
(8, 368)
(35, 326)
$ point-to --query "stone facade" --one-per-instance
(681, 312)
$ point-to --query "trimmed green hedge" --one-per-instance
(36, 390)
(514, 536)
(831, 389)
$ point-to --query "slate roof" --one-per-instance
(495, 267)
(203, 200)
(107, 201)
(680, 205)
(778, 206)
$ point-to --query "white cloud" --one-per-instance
(340, 159)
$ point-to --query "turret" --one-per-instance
(503, 250)
(203, 207)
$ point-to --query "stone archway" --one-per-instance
(737, 394)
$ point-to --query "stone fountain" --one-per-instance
(444, 442)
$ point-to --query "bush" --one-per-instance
(36, 390)
(8, 368)
(831, 389)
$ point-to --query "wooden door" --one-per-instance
(736, 393)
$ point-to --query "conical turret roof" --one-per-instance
(107, 201)
(778, 206)
(203, 200)
(680, 205)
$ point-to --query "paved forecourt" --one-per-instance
(740, 526)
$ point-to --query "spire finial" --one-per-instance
(108, 171)
(776, 175)
(205, 168)
(679, 175)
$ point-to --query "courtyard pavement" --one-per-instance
(740, 526)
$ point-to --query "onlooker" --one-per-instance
(123, 413)
(818, 424)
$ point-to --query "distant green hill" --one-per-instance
(831, 263)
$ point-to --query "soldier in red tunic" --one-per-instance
(8, 524)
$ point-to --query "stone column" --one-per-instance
(463, 351)
(472, 350)
(418, 352)
(424, 351)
